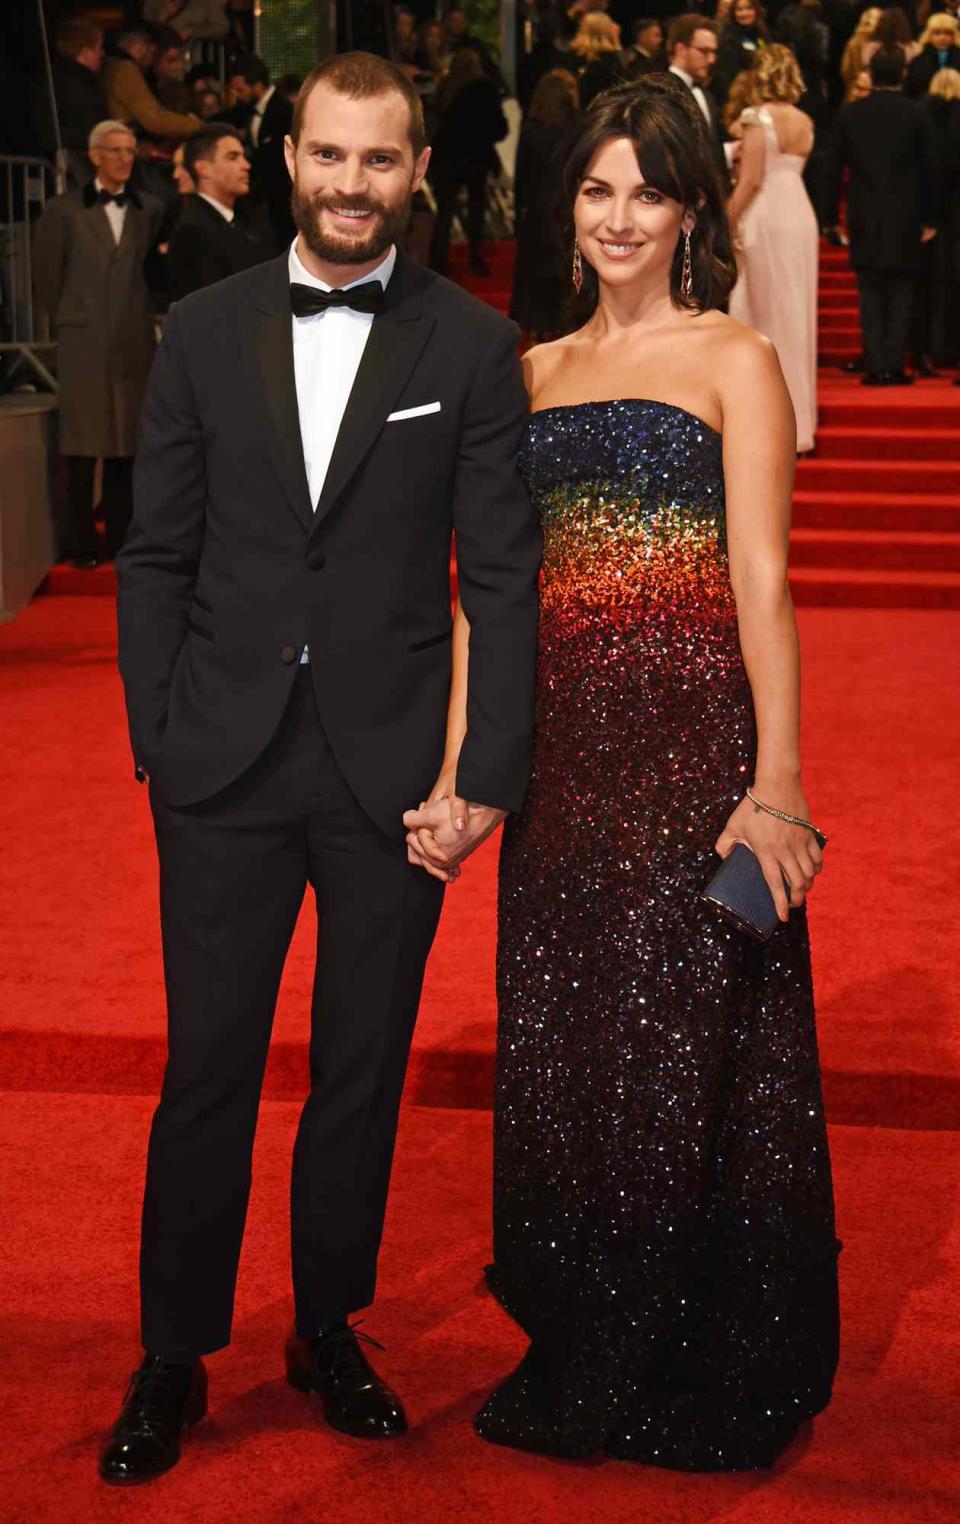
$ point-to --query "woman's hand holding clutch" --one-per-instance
(783, 849)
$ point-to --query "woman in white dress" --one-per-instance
(777, 231)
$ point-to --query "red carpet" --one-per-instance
(81, 1049)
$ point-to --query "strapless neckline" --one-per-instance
(651, 402)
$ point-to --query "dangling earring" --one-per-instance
(686, 277)
(577, 268)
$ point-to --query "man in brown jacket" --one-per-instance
(130, 98)
(88, 255)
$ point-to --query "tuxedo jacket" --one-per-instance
(888, 145)
(230, 570)
(269, 176)
(204, 247)
(714, 131)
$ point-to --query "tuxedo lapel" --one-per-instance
(274, 359)
(396, 341)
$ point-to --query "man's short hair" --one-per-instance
(887, 67)
(203, 145)
(250, 67)
(684, 28)
(361, 76)
(103, 130)
(641, 25)
(76, 35)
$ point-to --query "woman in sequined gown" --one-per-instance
(664, 1228)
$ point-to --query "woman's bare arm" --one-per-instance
(749, 172)
(759, 450)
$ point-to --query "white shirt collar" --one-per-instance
(264, 100)
(98, 185)
(226, 212)
(382, 273)
(688, 79)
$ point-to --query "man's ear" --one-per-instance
(290, 156)
(420, 169)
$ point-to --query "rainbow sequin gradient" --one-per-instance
(663, 1218)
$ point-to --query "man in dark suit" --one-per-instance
(78, 91)
(692, 50)
(315, 431)
(268, 123)
(212, 238)
(887, 143)
(89, 251)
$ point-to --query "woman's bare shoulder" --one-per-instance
(540, 364)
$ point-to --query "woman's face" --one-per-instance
(626, 229)
(745, 13)
(942, 37)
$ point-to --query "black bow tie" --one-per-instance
(104, 198)
(305, 301)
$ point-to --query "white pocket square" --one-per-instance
(413, 412)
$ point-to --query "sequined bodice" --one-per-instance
(656, 449)
(630, 494)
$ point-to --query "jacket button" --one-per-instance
(289, 654)
(316, 560)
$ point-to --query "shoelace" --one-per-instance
(346, 1347)
(148, 1392)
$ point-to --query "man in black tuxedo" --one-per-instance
(212, 238)
(692, 51)
(887, 143)
(267, 126)
(315, 430)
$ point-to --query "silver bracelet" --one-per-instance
(782, 814)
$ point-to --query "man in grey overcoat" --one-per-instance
(88, 257)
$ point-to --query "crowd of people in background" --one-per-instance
(811, 107)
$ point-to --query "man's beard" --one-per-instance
(389, 226)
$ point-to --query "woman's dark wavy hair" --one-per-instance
(662, 120)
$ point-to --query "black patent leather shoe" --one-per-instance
(162, 1401)
(355, 1400)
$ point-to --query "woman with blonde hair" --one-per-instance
(853, 61)
(597, 58)
(939, 49)
(776, 291)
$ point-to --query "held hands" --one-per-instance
(780, 848)
(446, 829)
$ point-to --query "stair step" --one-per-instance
(891, 512)
(830, 319)
(873, 549)
(926, 477)
(843, 442)
(823, 587)
(920, 414)
(830, 300)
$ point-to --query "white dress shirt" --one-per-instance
(115, 214)
(327, 350)
(256, 121)
(698, 94)
(226, 212)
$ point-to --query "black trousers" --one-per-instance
(116, 501)
(448, 179)
(886, 305)
(233, 872)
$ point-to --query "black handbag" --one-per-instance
(739, 892)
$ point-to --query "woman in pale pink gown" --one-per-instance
(777, 231)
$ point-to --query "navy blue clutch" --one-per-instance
(738, 892)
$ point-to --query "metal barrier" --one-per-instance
(25, 187)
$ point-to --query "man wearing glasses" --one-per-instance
(88, 256)
(692, 50)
